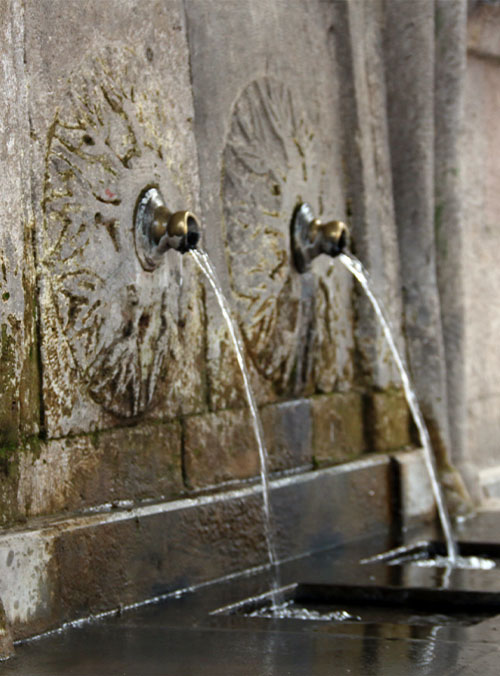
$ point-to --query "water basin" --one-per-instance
(413, 585)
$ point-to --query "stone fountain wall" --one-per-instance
(121, 384)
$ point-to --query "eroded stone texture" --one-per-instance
(19, 389)
(288, 434)
(481, 170)
(451, 235)
(410, 61)
(338, 427)
(119, 121)
(219, 447)
(222, 446)
(387, 420)
(6, 644)
(266, 143)
(356, 44)
(75, 473)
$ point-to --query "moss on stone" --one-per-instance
(386, 420)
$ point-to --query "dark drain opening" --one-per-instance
(348, 603)
(418, 552)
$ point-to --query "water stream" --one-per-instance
(205, 265)
(359, 272)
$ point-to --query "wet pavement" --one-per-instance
(181, 635)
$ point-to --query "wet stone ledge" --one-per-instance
(62, 569)
(83, 472)
(222, 447)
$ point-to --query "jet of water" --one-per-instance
(356, 268)
(205, 265)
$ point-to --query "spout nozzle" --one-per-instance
(157, 229)
(334, 234)
(185, 222)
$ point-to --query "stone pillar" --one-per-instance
(19, 385)
(480, 167)
(449, 223)
(409, 54)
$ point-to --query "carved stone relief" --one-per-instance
(115, 133)
(271, 163)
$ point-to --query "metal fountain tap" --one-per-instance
(311, 237)
(157, 229)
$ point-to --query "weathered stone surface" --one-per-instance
(410, 62)
(449, 223)
(387, 420)
(356, 44)
(481, 171)
(222, 446)
(288, 434)
(19, 388)
(75, 473)
(219, 447)
(337, 505)
(118, 120)
(6, 644)
(267, 142)
(66, 569)
(338, 431)
(416, 499)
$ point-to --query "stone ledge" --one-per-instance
(65, 569)
(417, 504)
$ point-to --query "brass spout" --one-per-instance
(311, 237)
(157, 229)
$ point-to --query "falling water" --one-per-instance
(357, 269)
(205, 265)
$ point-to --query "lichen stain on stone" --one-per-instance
(107, 323)
(270, 164)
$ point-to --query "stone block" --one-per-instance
(6, 644)
(332, 506)
(338, 433)
(288, 434)
(416, 497)
(387, 421)
(219, 447)
(65, 569)
(268, 137)
(480, 168)
(111, 467)
(118, 341)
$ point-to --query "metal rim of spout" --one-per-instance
(157, 229)
(310, 237)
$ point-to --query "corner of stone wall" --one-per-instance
(6, 644)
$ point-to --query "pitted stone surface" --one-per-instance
(19, 414)
(116, 342)
(267, 165)
(113, 134)
(271, 163)
(267, 129)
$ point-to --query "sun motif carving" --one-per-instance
(269, 166)
(114, 133)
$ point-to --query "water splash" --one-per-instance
(356, 268)
(205, 265)
(461, 563)
(289, 611)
